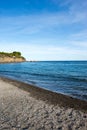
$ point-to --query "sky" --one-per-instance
(44, 29)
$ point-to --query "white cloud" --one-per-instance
(49, 52)
(31, 24)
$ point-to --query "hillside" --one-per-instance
(11, 57)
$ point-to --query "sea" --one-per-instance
(66, 77)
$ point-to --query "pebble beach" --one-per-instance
(22, 109)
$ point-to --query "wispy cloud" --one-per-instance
(73, 50)
(79, 36)
(36, 23)
(60, 34)
(75, 9)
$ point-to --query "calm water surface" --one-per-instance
(68, 77)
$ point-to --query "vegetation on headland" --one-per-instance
(13, 54)
(11, 57)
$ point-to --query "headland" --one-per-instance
(11, 57)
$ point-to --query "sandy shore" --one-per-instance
(32, 108)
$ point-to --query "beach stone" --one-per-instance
(24, 126)
(59, 128)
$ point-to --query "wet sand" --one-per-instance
(27, 107)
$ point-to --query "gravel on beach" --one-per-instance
(21, 111)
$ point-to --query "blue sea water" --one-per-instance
(67, 77)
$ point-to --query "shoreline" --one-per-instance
(48, 96)
(12, 62)
(26, 107)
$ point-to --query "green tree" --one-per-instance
(17, 54)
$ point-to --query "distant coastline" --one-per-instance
(6, 57)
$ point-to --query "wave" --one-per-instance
(77, 79)
(54, 77)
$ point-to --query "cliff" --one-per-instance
(11, 57)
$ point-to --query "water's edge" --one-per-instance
(68, 78)
(49, 96)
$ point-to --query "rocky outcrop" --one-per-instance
(11, 57)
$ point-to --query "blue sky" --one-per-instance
(44, 29)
